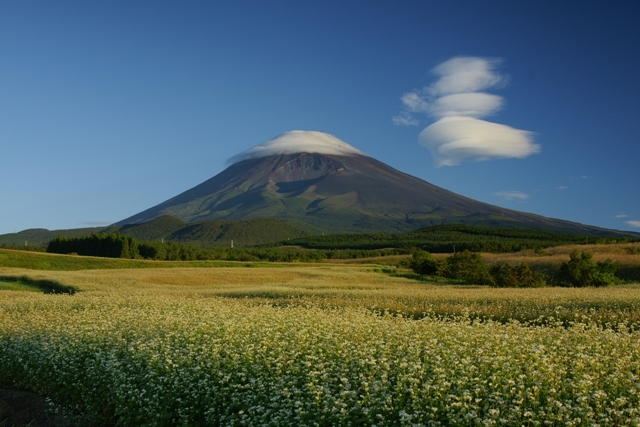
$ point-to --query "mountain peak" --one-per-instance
(298, 141)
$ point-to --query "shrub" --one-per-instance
(470, 267)
(581, 271)
(541, 252)
(520, 276)
(424, 263)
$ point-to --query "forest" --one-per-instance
(116, 245)
(436, 239)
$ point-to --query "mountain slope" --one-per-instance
(210, 233)
(339, 193)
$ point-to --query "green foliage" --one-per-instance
(120, 246)
(172, 251)
(540, 251)
(111, 245)
(425, 264)
(212, 233)
(470, 267)
(465, 266)
(447, 238)
(520, 276)
(581, 271)
(158, 228)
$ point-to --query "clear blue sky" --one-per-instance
(109, 108)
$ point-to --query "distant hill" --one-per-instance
(41, 236)
(157, 229)
(208, 233)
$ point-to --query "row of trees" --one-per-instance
(116, 245)
(466, 266)
(112, 245)
(443, 238)
(580, 271)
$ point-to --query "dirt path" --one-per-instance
(23, 408)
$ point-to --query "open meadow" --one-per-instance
(321, 344)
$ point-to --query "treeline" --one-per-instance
(453, 237)
(112, 245)
(468, 267)
(116, 245)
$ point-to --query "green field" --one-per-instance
(319, 344)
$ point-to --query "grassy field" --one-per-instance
(319, 344)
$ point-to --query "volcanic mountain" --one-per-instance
(318, 182)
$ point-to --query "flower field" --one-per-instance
(186, 348)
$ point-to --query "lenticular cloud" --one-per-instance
(452, 140)
(298, 141)
(456, 101)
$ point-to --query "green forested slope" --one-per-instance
(448, 238)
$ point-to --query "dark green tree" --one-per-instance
(424, 263)
(520, 276)
(470, 267)
(581, 271)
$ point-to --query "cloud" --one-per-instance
(622, 215)
(455, 101)
(452, 140)
(473, 104)
(562, 187)
(635, 224)
(466, 74)
(298, 141)
(512, 195)
(405, 119)
(415, 102)
(466, 104)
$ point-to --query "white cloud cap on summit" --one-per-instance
(452, 140)
(298, 141)
(459, 134)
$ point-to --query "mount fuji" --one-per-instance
(317, 182)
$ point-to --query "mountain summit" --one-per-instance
(298, 141)
(315, 180)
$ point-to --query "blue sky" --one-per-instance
(109, 108)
